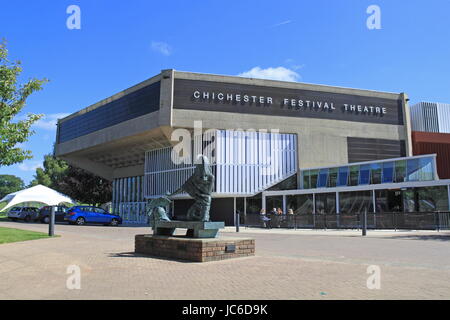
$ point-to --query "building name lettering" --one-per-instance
(289, 103)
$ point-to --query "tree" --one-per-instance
(52, 174)
(85, 187)
(74, 182)
(13, 97)
(9, 184)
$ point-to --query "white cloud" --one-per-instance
(30, 165)
(48, 121)
(162, 48)
(281, 23)
(278, 73)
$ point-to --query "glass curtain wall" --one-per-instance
(420, 199)
(326, 203)
(415, 169)
(355, 202)
(300, 204)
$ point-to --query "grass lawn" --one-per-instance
(15, 235)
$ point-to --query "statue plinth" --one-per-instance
(196, 229)
(194, 249)
(200, 242)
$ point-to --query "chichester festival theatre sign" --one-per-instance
(297, 103)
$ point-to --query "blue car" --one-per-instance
(81, 215)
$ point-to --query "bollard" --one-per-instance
(364, 222)
(237, 220)
(51, 223)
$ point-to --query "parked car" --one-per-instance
(86, 214)
(26, 214)
(44, 213)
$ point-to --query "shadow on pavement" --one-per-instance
(140, 255)
(435, 237)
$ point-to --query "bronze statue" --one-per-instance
(156, 209)
(199, 186)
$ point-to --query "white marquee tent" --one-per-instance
(39, 193)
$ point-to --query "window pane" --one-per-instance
(332, 179)
(388, 172)
(300, 204)
(343, 176)
(274, 202)
(354, 175)
(355, 202)
(375, 173)
(409, 201)
(323, 178)
(313, 175)
(326, 203)
(306, 183)
(253, 204)
(412, 167)
(364, 174)
(400, 170)
(388, 200)
(426, 169)
(433, 198)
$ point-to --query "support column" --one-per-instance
(234, 210)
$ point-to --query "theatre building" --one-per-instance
(271, 144)
(431, 133)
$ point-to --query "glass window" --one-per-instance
(354, 175)
(426, 169)
(313, 178)
(342, 177)
(410, 203)
(253, 204)
(412, 169)
(388, 172)
(375, 173)
(300, 204)
(388, 200)
(355, 202)
(432, 198)
(332, 177)
(323, 178)
(326, 203)
(274, 202)
(400, 171)
(287, 184)
(306, 182)
(364, 174)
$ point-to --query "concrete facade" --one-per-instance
(117, 151)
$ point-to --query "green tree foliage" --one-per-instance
(13, 97)
(9, 184)
(74, 182)
(86, 187)
(52, 174)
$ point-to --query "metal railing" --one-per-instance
(386, 220)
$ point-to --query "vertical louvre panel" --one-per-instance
(245, 163)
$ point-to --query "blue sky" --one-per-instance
(121, 43)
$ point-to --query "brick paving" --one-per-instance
(289, 264)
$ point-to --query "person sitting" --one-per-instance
(265, 219)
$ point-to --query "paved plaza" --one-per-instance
(289, 264)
